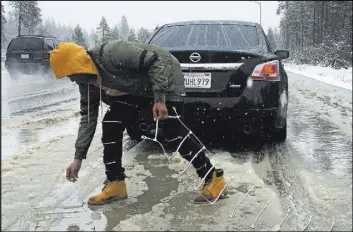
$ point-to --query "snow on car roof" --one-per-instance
(211, 22)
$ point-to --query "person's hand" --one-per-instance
(73, 169)
(159, 111)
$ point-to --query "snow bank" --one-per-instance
(337, 77)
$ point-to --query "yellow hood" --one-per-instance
(70, 58)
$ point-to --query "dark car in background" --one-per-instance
(29, 54)
(234, 82)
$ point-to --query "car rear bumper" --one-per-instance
(262, 106)
(231, 120)
(27, 68)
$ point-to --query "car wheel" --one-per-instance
(134, 132)
(279, 135)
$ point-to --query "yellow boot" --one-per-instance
(212, 188)
(112, 191)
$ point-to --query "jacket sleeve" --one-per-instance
(87, 128)
(132, 57)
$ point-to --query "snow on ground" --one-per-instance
(241, 178)
(336, 77)
(331, 103)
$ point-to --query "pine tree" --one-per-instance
(96, 39)
(10, 28)
(92, 39)
(132, 35)
(51, 26)
(64, 32)
(28, 15)
(48, 27)
(278, 39)
(79, 38)
(115, 33)
(143, 34)
(124, 28)
(3, 21)
(271, 39)
(104, 30)
(318, 32)
(85, 35)
(59, 29)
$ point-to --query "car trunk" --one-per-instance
(216, 58)
(217, 74)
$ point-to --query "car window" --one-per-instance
(209, 36)
(50, 44)
(31, 44)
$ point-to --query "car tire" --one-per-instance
(279, 135)
(134, 133)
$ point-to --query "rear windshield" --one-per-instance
(31, 44)
(208, 36)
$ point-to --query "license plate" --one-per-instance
(197, 80)
(24, 56)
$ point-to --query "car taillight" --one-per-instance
(45, 54)
(266, 72)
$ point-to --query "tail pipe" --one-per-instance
(144, 127)
(247, 129)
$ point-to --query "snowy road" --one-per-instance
(29, 107)
(310, 174)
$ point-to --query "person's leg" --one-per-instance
(113, 125)
(189, 149)
(123, 112)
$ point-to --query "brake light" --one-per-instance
(45, 54)
(266, 71)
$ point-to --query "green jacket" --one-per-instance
(139, 69)
(121, 67)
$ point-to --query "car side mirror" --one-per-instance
(282, 54)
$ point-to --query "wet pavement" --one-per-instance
(310, 174)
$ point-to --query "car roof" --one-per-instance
(211, 22)
(36, 36)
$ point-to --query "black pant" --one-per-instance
(126, 111)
